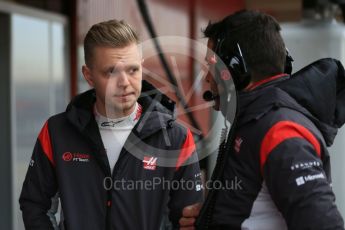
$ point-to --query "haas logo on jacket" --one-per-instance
(79, 157)
(238, 143)
(150, 163)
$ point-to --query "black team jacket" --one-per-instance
(279, 154)
(157, 171)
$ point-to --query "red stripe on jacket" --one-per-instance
(257, 84)
(282, 131)
(44, 139)
(187, 149)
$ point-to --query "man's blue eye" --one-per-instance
(133, 70)
(112, 71)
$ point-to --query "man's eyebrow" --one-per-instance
(113, 67)
(110, 68)
(132, 66)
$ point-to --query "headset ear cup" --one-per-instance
(235, 67)
(239, 71)
(288, 63)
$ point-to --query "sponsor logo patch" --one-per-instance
(77, 157)
(150, 163)
(238, 143)
(305, 165)
(304, 179)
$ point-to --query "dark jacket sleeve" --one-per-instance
(299, 187)
(39, 185)
(186, 187)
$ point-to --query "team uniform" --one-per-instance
(102, 186)
(279, 154)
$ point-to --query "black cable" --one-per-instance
(205, 217)
(146, 17)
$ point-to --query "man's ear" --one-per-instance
(87, 75)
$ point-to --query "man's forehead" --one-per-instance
(129, 51)
(124, 55)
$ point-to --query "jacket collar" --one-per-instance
(158, 112)
(317, 91)
(263, 82)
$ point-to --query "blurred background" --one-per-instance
(41, 54)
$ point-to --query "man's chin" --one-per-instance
(124, 108)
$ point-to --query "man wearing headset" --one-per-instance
(277, 146)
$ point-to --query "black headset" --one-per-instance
(233, 66)
(288, 62)
(230, 70)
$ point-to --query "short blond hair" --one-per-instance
(112, 33)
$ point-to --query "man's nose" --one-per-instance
(123, 79)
